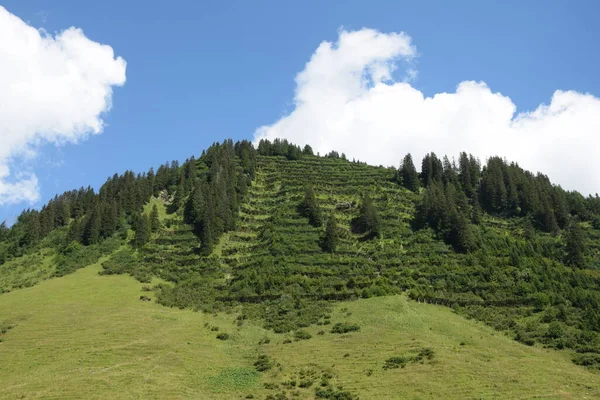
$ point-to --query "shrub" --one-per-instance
(302, 335)
(342, 327)
(426, 353)
(263, 363)
(306, 383)
(333, 394)
(395, 362)
(265, 340)
(223, 336)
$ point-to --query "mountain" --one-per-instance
(306, 273)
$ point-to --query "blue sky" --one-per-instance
(199, 72)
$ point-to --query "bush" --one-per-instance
(331, 393)
(395, 362)
(263, 363)
(223, 336)
(302, 335)
(306, 383)
(342, 327)
(425, 353)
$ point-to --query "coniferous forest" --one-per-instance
(284, 233)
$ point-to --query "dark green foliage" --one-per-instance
(425, 354)
(333, 394)
(447, 211)
(368, 219)
(409, 177)
(342, 327)
(396, 362)
(154, 221)
(302, 335)
(591, 360)
(142, 230)
(213, 205)
(431, 169)
(310, 208)
(575, 245)
(330, 239)
(263, 363)
(223, 336)
(75, 256)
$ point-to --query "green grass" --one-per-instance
(27, 270)
(89, 336)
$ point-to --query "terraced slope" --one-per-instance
(270, 225)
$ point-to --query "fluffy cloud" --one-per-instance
(345, 100)
(52, 90)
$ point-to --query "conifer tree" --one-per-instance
(4, 231)
(142, 230)
(91, 229)
(75, 233)
(331, 237)
(154, 220)
(63, 214)
(32, 227)
(576, 246)
(307, 151)
(409, 175)
(368, 220)
(310, 208)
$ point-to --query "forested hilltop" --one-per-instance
(283, 233)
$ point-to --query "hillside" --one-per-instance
(321, 255)
(89, 336)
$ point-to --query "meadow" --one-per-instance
(89, 336)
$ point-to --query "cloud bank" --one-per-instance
(346, 100)
(53, 89)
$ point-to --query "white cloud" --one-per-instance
(345, 101)
(52, 90)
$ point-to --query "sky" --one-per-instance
(88, 89)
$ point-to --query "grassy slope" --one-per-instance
(27, 270)
(89, 336)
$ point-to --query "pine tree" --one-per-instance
(154, 220)
(75, 233)
(307, 151)
(331, 237)
(91, 228)
(32, 227)
(63, 213)
(368, 220)
(310, 208)
(431, 169)
(4, 231)
(142, 230)
(409, 175)
(576, 246)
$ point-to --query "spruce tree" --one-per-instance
(310, 208)
(154, 220)
(142, 230)
(409, 175)
(368, 220)
(331, 237)
(576, 246)
(4, 231)
(91, 229)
